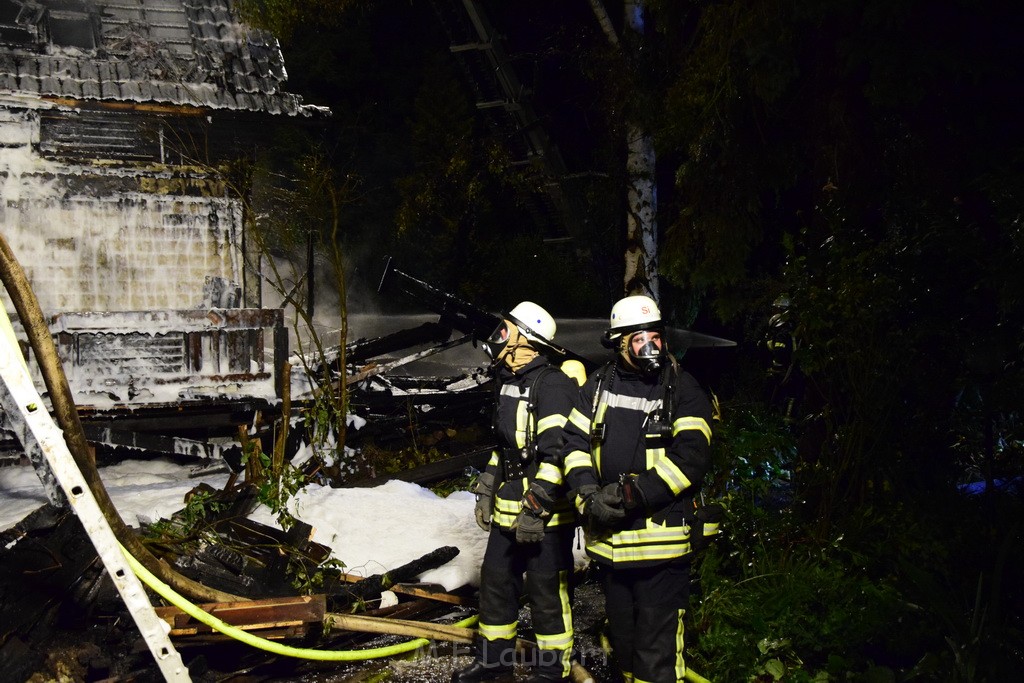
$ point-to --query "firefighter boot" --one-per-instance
(478, 671)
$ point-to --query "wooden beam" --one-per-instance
(400, 627)
(429, 591)
(290, 615)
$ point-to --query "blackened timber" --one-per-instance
(168, 445)
(371, 587)
(299, 536)
(38, 575)
(362, 350)
(375, 369)
(436, 471)
(459, 313)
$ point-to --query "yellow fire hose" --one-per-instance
(168, 594)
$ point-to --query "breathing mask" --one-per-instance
(643, 350)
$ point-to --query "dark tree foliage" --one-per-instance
(437, 187)
(861, 158)
(862, 161)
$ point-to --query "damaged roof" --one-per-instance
(173, 52)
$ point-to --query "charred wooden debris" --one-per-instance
(61, 617)
(197, 386)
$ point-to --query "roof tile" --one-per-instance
(176, 51)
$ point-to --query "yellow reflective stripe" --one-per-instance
(549, 472)
(560, 518)
(504, 520)
(498, 631)
(561, 641)
(695, 423)
(551, 421)
(602, 408)
(672, 476)
(523, 420)
(618, 555)
(638, 545)
(652, 534)
(579, 504)
(576, 460)
(653, 455)
(680, 633)
(563, 597)
(495, 459)
(508, 506)
(580, 421)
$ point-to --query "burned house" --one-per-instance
(118, 120)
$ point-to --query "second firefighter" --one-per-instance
(521, 503)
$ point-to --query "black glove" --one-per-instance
(601, 505)
(529, 524)
(529, 527)
(706, 526)
(484, 500)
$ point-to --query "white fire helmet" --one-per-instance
(534, 322)
(633, 313)
(631, 316)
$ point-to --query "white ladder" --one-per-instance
(45, 446)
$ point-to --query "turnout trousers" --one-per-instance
(645, 608)
(547, 566)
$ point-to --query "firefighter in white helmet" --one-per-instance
(522, 503)
(637, 450)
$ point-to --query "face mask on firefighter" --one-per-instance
(495, 343)
(645, 350)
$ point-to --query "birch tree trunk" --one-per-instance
(641, 275)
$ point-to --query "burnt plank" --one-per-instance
(431, 592)
(272, 613)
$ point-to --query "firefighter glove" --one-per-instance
(601, 505)
(484, 500)
(529, 524)
(529, 527)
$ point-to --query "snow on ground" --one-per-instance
(371, 530)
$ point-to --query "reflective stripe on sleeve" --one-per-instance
(577, 459)
(673, 477)
(695, 423)
(548, 472)
(551, 421)
(580, 421)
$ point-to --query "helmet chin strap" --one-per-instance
(624, 353)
